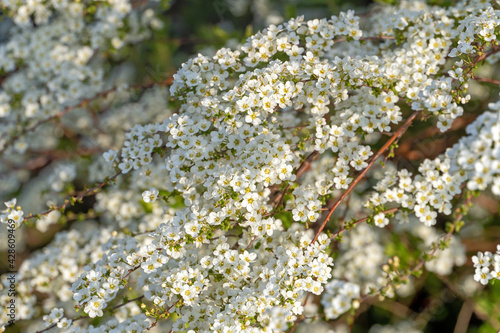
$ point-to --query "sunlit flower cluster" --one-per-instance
(487, 266)
(217, 206)
(473, 161)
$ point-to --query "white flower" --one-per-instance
(151, 195)
(380, 220)
(94, 307)
(482, 275)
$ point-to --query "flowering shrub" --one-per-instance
(245, 193)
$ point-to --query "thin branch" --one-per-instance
(73, 199)
(129, 301)
(487, 79)
(435, 248)
(54, 325)
(130, 271)
(389, 211)
(300, 171)
(464, 317)
(166, 311)
(81, 317)
(386, 146)
(246, 248)
(468, 69)
(417, 267)
(169, 308)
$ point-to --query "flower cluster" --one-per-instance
(362, 256)
(487, 266)
(431, 191)
(219, 207)
(12, 213)
(240, 288)
(483, 26)
(53, 59)
(56, 317)
(308, 209)
(100, 282)
(338, 297)
(62, 175)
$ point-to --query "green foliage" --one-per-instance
(399, 247)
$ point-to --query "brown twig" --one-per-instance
(464, 317)
(130, 271)
(246, 248)
(445, 238)
(81, 317)
(468, 69)
(487, 79)
(300, 171)
(129, 301)
(389, 211)
(73, 199)
(386, 146)
(54, 325)
(166, 311)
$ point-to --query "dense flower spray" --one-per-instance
(221, 198)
